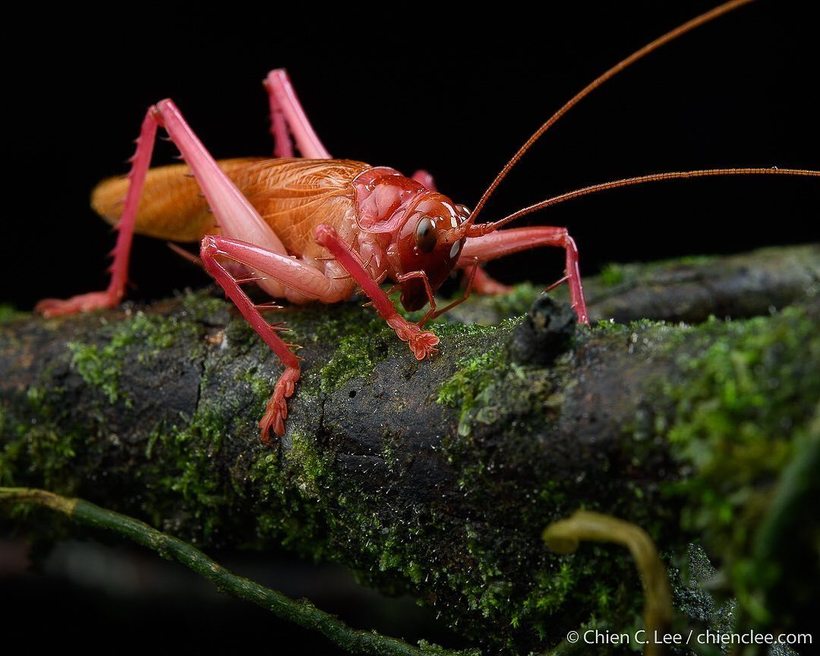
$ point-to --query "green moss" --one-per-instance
(516, 302)
(464, 388)
(179, 477)
(35, 442)
(9, 313)
(97, 367)
(284, 484)
(261, 385)
(306, 463)
(351, 359)
(445, 328)
(689, 260)
(609, 326)
(101, 365)
(203, 307)
(612, 275)
(361, 341)
(734, 423)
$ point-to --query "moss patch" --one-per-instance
(100, 365)
(35, 443)
(734, 424)
(612, 274)
(361, 338)
(472, 377)
(10, 313)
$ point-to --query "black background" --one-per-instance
(404, 87)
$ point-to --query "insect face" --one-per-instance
(430, 242)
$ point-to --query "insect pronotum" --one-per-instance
(317, 229)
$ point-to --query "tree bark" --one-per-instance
(438, 477)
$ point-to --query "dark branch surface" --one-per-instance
(439, 477)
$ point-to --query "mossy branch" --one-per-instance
(438, 477)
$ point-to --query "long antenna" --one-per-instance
(484, 228)
(597, 82)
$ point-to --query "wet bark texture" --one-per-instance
(438, 477)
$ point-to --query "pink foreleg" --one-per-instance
(276, 410)
(421, 343)
(291, 273)
(506, 242)
(287, 112)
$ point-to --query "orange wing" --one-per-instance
(292, 195)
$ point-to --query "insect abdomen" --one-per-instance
(293, 196)
(171, 206)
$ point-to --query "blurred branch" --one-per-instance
(302, 612)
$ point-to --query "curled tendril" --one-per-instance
(565, 535)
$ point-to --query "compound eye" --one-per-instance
(464, 211)
(426, 235)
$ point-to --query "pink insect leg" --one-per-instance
(287, 113)
(422, 343)
(52, 307)
(505, 242)
(238, 220)
(293, 275)
(311, 282)
(277, 407)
